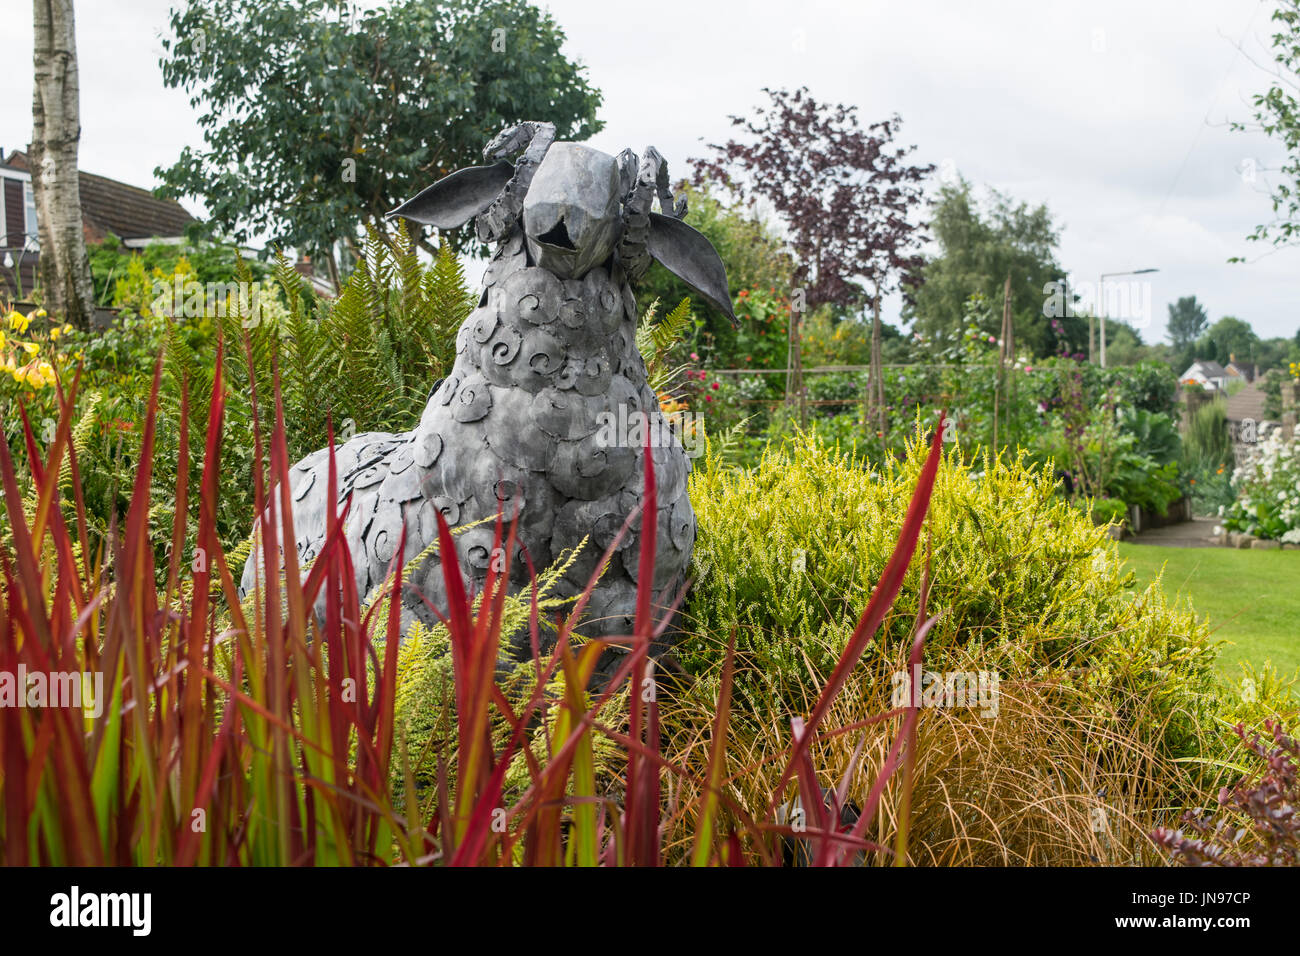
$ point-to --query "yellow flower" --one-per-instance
(31, 348)
(55, 333)
(37, 375)
(2, 338)
(18, 322)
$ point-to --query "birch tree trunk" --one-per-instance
(56, 133)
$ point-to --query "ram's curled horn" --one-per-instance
(664, 237)
(651, 179)
(501, 217)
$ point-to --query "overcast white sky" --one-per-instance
(1113, 112)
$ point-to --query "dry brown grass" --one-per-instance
(1047, 781)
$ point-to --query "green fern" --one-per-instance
(656, 341)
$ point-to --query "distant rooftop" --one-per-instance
(126, 211)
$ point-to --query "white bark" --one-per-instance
(56, 134)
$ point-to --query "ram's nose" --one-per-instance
(571, 212)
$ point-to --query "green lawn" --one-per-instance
(1252, 598)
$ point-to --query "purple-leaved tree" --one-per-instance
(848, 196)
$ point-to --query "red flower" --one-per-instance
(714, 385)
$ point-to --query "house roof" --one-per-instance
(128, 212)
(1247, 403)
(1209, 368)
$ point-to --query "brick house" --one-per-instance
(134, 215)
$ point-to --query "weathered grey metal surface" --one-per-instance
(524, 421)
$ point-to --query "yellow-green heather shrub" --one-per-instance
(789, 550)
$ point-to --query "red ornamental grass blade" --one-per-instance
(641, 804)
(882, 599)
(906, 734)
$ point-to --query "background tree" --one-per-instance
(979, 245)
(1277, 113)
(1225, 338)
(755, 257)
(846, 195)
(1124, 345)
(318, 117)
(1187, 320)
(1277, 352)
(56, 187)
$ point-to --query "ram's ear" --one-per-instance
(685, 253)
(456, 198)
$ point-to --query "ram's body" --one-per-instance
(546, 373)
(546, 412)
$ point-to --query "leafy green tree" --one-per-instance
(319, 118)
(1276, 353)
(1124, 345)
(754, 255)
(1277, 113)
(1187, 320)
(979, 248)
(1228, 337)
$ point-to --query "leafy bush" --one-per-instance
(124, 277)
(1155, 434)
(1109, 511)
(1259, 822)
(1029, 586)
(1268, 491)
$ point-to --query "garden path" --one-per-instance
(1197, 533)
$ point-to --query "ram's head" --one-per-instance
(577, 207)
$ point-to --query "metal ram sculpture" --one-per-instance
(544, 363)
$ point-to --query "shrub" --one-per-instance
(1029, 587)
(1258, 823)
(1268, 491)
(1109, 511)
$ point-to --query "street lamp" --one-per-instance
(1101, 302)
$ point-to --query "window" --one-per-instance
(29, 207)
